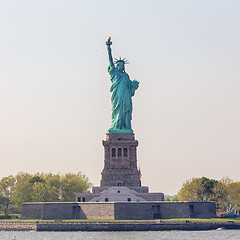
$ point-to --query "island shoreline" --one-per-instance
(114, 226)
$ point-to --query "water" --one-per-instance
(162, 235)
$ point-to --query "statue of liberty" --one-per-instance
(122, 90)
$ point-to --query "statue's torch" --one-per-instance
(108, 42)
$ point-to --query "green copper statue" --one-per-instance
(122, 90)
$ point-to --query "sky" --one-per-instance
(55, 106)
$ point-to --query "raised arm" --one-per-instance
(109, 43)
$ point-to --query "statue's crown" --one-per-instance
(124, 60)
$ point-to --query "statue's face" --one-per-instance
(120, 66)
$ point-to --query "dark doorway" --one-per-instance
(191, 211)
(76, 212)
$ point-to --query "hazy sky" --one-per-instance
(55, 104)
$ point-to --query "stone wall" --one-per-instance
(97, 210)
(17, 226)
(119, 210)
(158, 210)
(32, 211)
(113, 226)
(60, 210)
(134, 226)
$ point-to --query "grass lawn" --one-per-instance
(212, 220)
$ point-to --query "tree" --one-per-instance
(234, 196)
(197, 189)
(43, 192)
(222, 194)
(208, 186)
(192, 190)
(42, 187)
(36, 179)
(72, 184)
(53, 183)
(6, 190)
(226, 192)
(22, 190)
(227, 195)
(4, 203)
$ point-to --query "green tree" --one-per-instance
(234, 196)
(222, 194)
(42, 187)
(6, 190)
(192, 190)
(54, 182)
(36, 179)
(22, 191)
(72, 184)
(43, 192)
(197, 189)
(208, 186)
(3, 203)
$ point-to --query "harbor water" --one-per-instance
(161, 235)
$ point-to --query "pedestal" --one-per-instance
(120, 161)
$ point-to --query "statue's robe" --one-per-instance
(122, 90)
